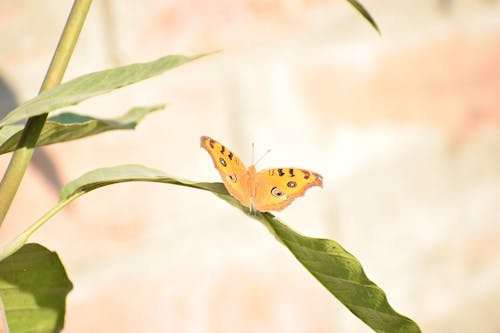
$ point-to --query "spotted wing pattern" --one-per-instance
(277, 188)
(233, 172)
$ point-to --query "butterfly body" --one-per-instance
(266, 190)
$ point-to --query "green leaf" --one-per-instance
(70, 126)
(339, 272)
(93, 84)
(359, 7)
(96, 179)
(33, 289)
(342, 274)
(128, 173)
(335, 268)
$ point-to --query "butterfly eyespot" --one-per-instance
(276, 192)
(222, 161)
(232, 177)
(291, 184)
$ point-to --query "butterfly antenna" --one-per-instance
(260, 159)
(253, 152)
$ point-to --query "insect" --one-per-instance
(267, 190)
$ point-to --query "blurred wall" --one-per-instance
(404, 128)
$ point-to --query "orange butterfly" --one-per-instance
(266, 190)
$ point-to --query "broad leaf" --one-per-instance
(335, 268)
(33, 289)
(70, 126)
(128, 173)
(359, 7)
(342, 274)
(90, 85)
(339, 272)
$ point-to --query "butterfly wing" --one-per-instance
(231, 169)
(276, 189)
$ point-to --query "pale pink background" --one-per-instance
(404, 128)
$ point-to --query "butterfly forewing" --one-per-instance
(233, 172)
(277, 188)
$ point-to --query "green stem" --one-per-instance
(22, 238)
(22, 156)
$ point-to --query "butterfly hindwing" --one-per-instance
(277, 188)
(231, 169)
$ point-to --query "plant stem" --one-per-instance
(22, 238)
(22, 156)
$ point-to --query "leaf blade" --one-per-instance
(93, 84)
(70, 126)
(350, 286)
(127, 173)
(362, 10)
(33, 288)
(334, 267)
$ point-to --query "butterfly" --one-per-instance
(267, 190)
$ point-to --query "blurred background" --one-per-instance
(404, 127)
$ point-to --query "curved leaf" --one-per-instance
(70, 126)
(359, 7)
(93, 84)
(339, 272)
(335, 268)
(128, 173)
(33, 289)
(342, 274)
